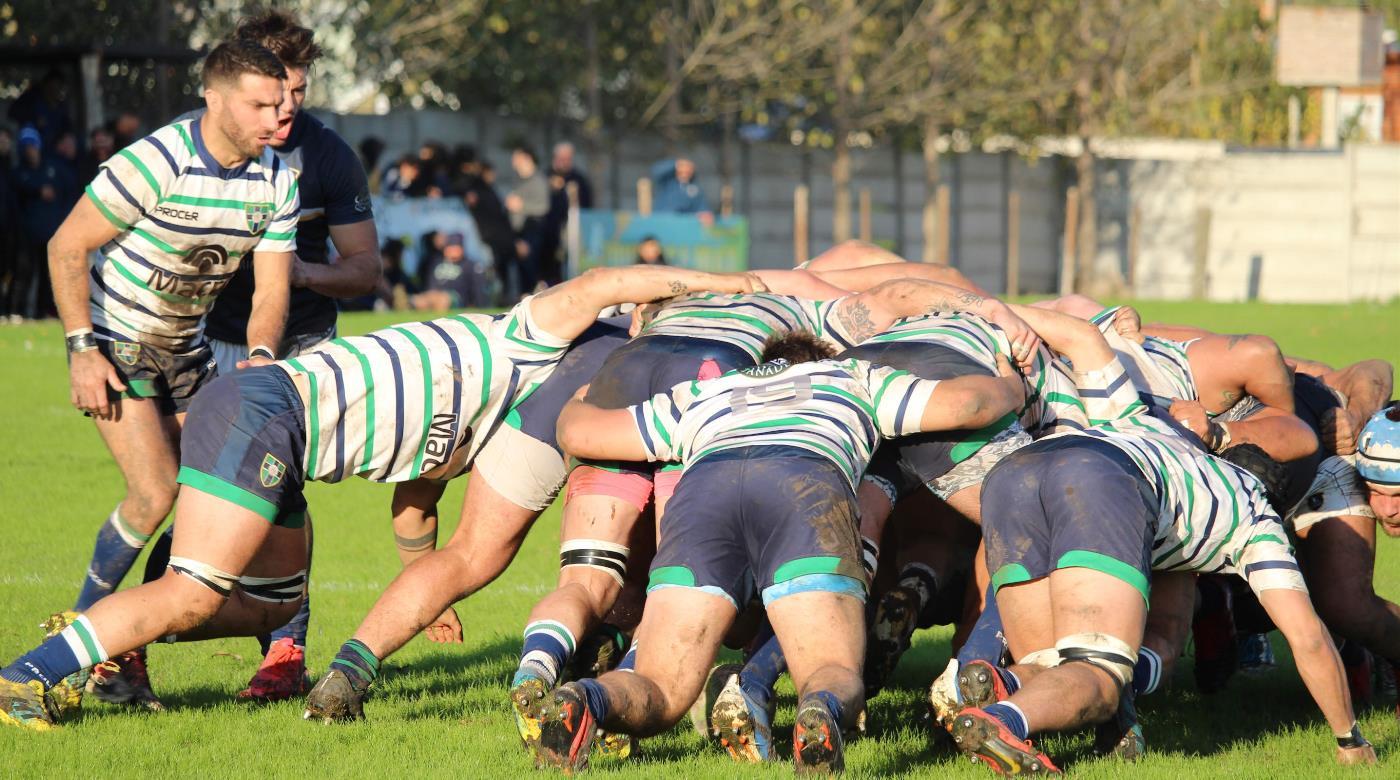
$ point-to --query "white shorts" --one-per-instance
(523, 469)
(1336, 492)
(227, 354)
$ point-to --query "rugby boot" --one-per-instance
(527, 701)
(612, 746)
(891, 629)
(22, 705)
(980, 685)
(1256, 654)
(336, 698)
(1122, 735)
(281, 675)
(817, 746)
(567, 730)
(66, 698)
(1217, 652)
(599, 653)
(944, 698)
(705, 702)
(124, 680)
(987, 741)
(743, 728)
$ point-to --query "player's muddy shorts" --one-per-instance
(244, 441)
(1068, 501)
(945, 462)
(772, 519)
(649, 365)
(522, 460)
(169, 379)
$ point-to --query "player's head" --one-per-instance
(1272, 474)
(796, 346)
(243, 90)
(279, 33)
(1378, 463)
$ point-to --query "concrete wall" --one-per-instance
(1326, 226)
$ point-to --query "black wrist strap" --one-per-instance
(262, 352)
(81, 342)
(1352, 740)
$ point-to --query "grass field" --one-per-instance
(442, 710)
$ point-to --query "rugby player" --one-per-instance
(410, 401)
(1071, 565)
(765, 506)
(335, 207)
(172, 218)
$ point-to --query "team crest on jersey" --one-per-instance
(259, 215)
(771, 368)
(126, 351)
(272, 471)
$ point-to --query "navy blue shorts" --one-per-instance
(538, 413)
(170, 380)
(649, 365)
(910, 462)
(1068, 501)
(244, 441)
(771, 519)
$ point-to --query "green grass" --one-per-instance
(442, 711)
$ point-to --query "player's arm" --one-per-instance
(1226, 366)
(863, 278)
(972, 402)
(90, 374)
(272, 279)
(1367, 387)
(1175, 332)
(566, 310)
(799, 284)
(1318, 664)
(357, 271)
(1074, 337)
(415, 535)
(1074, 305)
(586, 431)
(865, 314)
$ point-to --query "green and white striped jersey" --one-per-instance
(1212, 515)
(186, 224)
(1052, 400)
(1157, 366)
(417, 399)
(837, 409)
(747, 320)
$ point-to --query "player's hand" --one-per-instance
(1024, 340)
(1361, 754)
(1014, 383)
(253, 362)
(90, 375)
(756, 283)
(446, 630)
(299, 275)
(1128, 323)
(1192, 415)
(1340, 427)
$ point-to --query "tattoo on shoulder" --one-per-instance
(1234, 339)
(1229, 397)
(855, 318)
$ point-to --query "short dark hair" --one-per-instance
(280, 33)
(527, 151)
(796, 346)
(232, 59)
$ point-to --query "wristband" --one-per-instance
(1353, 738)
(262, 351)
(81, 340)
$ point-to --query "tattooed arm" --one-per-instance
(90, 374)
(1367, 387)
(566, 310)
(872, 311)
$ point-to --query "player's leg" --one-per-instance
(486, 540)
(1339, 554)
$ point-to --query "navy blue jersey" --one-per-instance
(334, 191)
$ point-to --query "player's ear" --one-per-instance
(213, 98)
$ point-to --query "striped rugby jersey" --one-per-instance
(1213, 515)
(747, 320)
(401, 402)
(1052, 399)
(1157, 366)
(837, 409)
(186, 225)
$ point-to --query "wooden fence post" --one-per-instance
(1013, 243)
(799, 225)
(1070, 245)
(945, 224)
(644, 196)
(865, 214)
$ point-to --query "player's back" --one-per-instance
(187, 223)
(747, 320)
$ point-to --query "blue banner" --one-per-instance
(610, 238)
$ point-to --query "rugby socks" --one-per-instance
(118, 545)
(986, 642)
(296, 628)
(869, 556)
(828, 700)
(921, 579)
(356, 662)
(629, 660)
(761, 672)
(1147, 672)
(548, 646)
(75, 647)
(596, 697)
(1011, 717)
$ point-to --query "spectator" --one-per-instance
(396, 286)
(101, 147)
(44, 107)
(405, 179)
(527, 204)
(65, 152)
(432, 169)
(9, 223)
(562, 173)
(649, 252)
(676, 191)
(126, 129)
(45, 192)
(371, 149)
(466, 169)
(7, 148)
(493, 222)
(453, 282)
